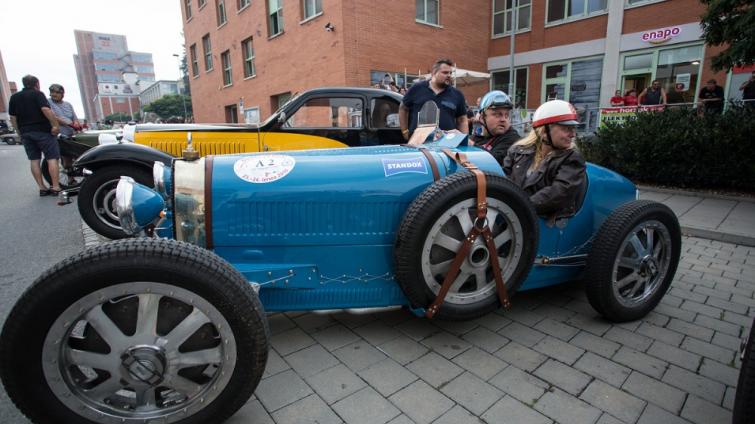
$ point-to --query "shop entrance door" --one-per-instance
(637, 82)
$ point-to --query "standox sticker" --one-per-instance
(401, 166)
(262, 169)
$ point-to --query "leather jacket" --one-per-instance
(554, 187)
(498, 145)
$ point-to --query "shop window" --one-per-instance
(577, 82)
(274, 17)
(568, 10)
(310, 8)
(242, 4)
(247, 49)
(187, 9)
(678, 70)
(207, 51)
(501, 82)
(428, 11)
(232, 114)
(252, 115)
(503, 15)
(327, 113)
(640, 61)
(225, 58)
(220, 8)
(194, 60)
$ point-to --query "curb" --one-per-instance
(739, 239)
(696, 194)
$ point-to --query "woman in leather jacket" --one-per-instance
(546, 163)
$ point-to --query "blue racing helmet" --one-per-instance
(495, 99)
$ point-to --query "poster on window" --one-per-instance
(619, 115)
(683, 79)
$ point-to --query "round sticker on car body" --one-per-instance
(262, 169)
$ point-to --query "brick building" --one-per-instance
(110, 76)
(246, 57)
(5, 92)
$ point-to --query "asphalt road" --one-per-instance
(35, 233)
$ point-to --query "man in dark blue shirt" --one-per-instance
(32, 118)
(450, 101)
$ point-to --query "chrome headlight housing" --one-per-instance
(161, 176)
(137, 206)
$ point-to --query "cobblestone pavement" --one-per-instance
(549, 359)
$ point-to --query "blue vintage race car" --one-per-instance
(175, 331)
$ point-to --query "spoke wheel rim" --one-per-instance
(103, 203)
(140, 375)
(475, 281)
(642, 263)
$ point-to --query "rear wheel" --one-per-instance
(434, 228)
(96, 200)
(135, 331)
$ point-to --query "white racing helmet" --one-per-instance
(555, 112)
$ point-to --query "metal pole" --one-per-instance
(512, 92)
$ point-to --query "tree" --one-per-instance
(118, 117)
(732, 23)
(171, 105)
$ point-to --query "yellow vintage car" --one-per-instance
(315, 119)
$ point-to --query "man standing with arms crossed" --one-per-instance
(32, 118)
(450, 101)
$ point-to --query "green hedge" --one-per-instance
(678, 148)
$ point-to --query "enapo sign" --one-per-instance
(659, 36)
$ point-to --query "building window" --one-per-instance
(567, 10)
(327, 113)
(187, 9)
(311, 8)
(503, 14)
(247, 49)
(277, 101)
(252, 115)
(641, 2)
(274, 17)
(501, 82)
(207, 50)
(232, 114)
(225, 58)
(201, 3)
(220, 7)
(194, 60)
(241, 4)
(428, 11)
(577, 82)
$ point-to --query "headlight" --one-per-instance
(137, 205)
(161, 178)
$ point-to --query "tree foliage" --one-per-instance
(118, 117)
(730, 23)
(171, 105)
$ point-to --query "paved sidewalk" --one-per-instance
(549, 359)
(722, 218)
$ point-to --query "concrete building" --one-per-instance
(5, 92)
(110, 76)
(246, 57)
(158, 90)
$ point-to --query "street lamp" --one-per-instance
(183, 96)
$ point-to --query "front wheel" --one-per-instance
(68, 178)
(135, 331)
(97, 197)
(633, 260)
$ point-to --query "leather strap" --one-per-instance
(430, 159)
(480, 227)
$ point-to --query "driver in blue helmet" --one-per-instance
(495, 120)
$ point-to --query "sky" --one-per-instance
(36, 37)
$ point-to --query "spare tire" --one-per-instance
(434, 229)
